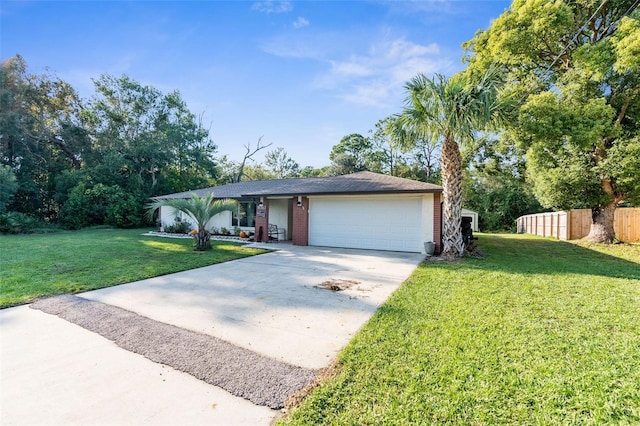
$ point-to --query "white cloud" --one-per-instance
(300, 23)
(377, 78)
(351, 68)
(372, 94)
(420, 6)
(318, 46)
(406, 70)
(288, 48)
(402, 48)
(271, 6)
(373, 74)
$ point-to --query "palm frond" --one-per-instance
(455, 106)
(199, 209)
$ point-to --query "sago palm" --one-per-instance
(200, 209)
(453, 109)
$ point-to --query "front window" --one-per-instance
(245, 214)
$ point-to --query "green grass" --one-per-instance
(538, 332)
(38, 265)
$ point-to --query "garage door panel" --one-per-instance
(392, 223)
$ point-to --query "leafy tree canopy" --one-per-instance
(127, 139)
(495, 184)
(281, 165)
(350, 154)
(8, 186)
(573, 67)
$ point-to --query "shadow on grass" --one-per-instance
(524, 254)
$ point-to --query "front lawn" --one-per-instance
(37, 265)
(538, 332)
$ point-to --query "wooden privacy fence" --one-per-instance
(575, 224)
(627, 224)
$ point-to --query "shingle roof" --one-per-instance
(355, 183)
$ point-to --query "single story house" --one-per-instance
(362, 210)
(474, 218)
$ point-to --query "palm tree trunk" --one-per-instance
(203, 240)
(451, 161)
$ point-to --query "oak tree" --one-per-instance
(574, 67)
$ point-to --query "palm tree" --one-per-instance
(453, 109)
(200, 210)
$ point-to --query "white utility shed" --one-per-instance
(474, 218)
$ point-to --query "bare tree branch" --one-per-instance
(249, 156)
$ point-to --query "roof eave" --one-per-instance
(310, 194)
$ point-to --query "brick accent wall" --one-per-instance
(300, 234)
(437, 222)
(264, 223)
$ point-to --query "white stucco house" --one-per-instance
(362, 210)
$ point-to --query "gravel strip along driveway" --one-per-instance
(241, 372)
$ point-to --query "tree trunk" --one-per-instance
(601, 230)
(202, 240)
(451, 161)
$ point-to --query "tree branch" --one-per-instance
(59, 142)
(625, 106)
(249, 156)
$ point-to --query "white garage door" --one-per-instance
(380, 223)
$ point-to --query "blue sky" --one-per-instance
(302, 74)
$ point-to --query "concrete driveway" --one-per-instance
(56, 372)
